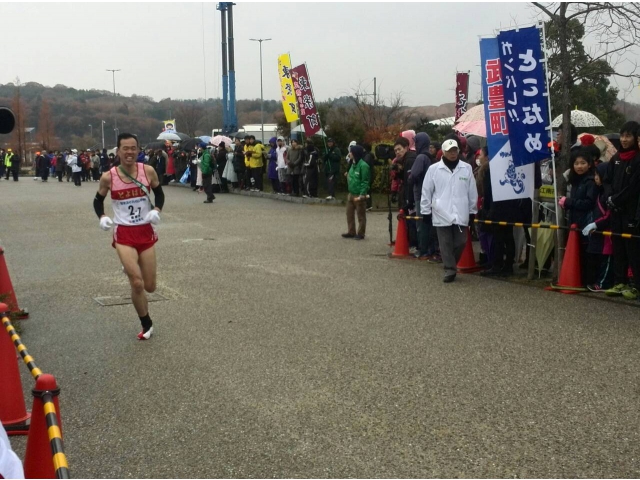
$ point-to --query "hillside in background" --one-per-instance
(75, 115)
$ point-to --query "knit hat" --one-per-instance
(587, 139)
(281, 138)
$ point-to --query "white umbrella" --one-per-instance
(447, 121)
(579, 119)
(220, 138)
(169, 136)
(300, 129)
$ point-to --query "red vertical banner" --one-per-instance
(306, 104)
(462, 93)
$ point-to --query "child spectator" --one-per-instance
(582, 199)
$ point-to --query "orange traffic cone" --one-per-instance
(467, 263)
(570, 280)
(401, 249)
(12, 410)
(38, 458)
(6, 288)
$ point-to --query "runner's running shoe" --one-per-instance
(630, 294)
(145, 335)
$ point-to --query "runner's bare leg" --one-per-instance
(129, 259)
(147, 262)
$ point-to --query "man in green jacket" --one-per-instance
(206, 167)
(332, 167)
(358, 182)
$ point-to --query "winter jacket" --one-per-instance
(332, 161)
(272, 167)
(221, 160)
(580, 204)
(406, 192)
(449, 196)
(295, 159)
(238, 160)
(358, 178)
(310, 160)
(281, 154)
(420, 165)
(623, 179)
(206, 164)
(60, 164)
(45, 163)
(255, 159)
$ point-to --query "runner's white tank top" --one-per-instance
(130, 204)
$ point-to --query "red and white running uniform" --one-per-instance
(130, 207)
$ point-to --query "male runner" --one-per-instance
(134, 216)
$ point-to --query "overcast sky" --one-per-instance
(414, 48)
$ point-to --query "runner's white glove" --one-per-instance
(152, 217)
(106, 223)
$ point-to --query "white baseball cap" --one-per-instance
(449, 144)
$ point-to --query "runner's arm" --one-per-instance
(103, 190)
(155, 186)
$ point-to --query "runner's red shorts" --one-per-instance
(140, 237)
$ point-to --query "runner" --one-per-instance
(134, 236)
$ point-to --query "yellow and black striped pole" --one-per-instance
(55, 437)
(542, 225)
(22, 350)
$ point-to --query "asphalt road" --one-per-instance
(284, 350)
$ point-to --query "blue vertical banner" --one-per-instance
(507, 180)
(525, 94)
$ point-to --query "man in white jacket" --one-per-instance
(450, 198)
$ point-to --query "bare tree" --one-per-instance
(18, 138)
(46, 131)
(188, 116)
(381, 113)
(616, 27)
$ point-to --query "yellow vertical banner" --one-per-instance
(289, 103)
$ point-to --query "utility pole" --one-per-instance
(115, 121)
(261, 92)
(375, 99)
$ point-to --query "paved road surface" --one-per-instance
(286, 351)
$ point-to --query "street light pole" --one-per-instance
(103, 122)
(115, 120)
(261, 91)
(91, 127)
